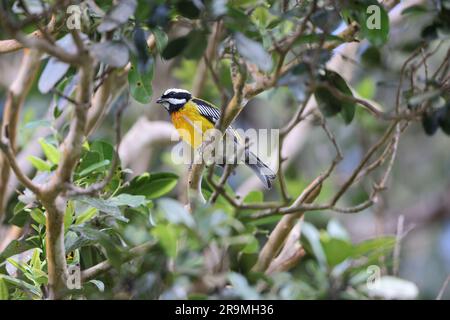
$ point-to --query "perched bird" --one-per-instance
(193, 117)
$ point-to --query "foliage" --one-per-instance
(209, 252)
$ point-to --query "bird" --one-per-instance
(192, 117)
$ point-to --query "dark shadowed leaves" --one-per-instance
(190, 46)
(105, 207)
(197, 42)
(140, 42)
(444, 119)
(118, 15)
(187, 9)
(329, 104)
(430, 122)
(160, 38)
(175, 47)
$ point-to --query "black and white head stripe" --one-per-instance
(176, 96)
(175, 91)
(207, 110)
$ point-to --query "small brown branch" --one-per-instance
(16, 97)
(282, 229)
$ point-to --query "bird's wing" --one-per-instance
(207, 110)
(213, 114)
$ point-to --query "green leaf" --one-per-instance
(372, 249)
(374, 22)
(128, 200)
(39, 164)
(23, 285)
(161, 39)
(104, 206)
(50, 151)
(167, 237)
(254, 197)
(444, 119)
(252, 246)
(141, 82)
(94, 167)
(430, 122)
(105, 149)
(16, 247)
(86, 215)
(326, 101)
(317, 38)
(198, 41)
(187, 9)
(312, 235)
(36, 259)
(38, 216)
(329, 103)
(4, 293)
(336, 250)
(20, 215)
(175, 212)
(151, 185)
(366, 88)
(68, 215)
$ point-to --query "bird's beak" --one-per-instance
(160, 101)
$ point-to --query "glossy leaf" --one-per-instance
(50, 151)
(167, 237)
(151, 185)
(175, 47)
(39, 164)
(141, 83)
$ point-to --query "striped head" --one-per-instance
(174, 99)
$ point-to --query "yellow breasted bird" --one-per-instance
(192, 116)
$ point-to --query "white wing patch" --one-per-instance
(208, 111)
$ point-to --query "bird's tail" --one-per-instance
(264, 173)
